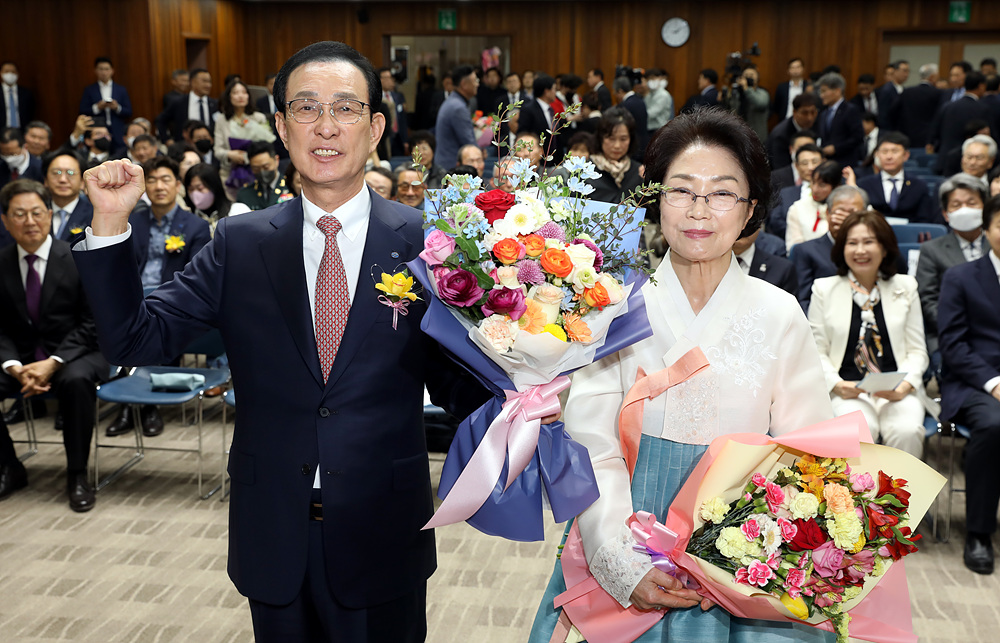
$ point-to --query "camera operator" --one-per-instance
(749, 100)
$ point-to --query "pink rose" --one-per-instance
(775, 496)
(759, 574)
(741, 576)
(505, 301)
(862, 482)
(758, 479)
(459, 288)
(788, 529)
(438, 246)
(750, 529)
(827, 559)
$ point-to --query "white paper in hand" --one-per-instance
(875, 382)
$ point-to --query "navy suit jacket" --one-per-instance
(888, 106)
(778, 142)
(777, 218)
(701, 100)
(917, 107)
(914, 203)
(845, 133)
(774, 270)
(33, 172)
(83, 215)
(25, 106)
(812, 261)
(196, 234)
(637, 107)
(948, 128)
(364, 425)
(119, 120)
(170, 122)
(780, 106)
(968, 332)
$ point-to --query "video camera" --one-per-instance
(634, 74)
(737, 61)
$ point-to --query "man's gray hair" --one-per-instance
(845, 192)
(960, 181)
(622, 84)
(39, 125)
(928, 70)
(408, 166)
(991, 145)
(832, 80)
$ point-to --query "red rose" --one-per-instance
(808, 536)
(494, 204)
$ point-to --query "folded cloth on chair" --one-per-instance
(176, 381)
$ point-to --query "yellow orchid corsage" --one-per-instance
(175, 242)
(397, 289)
(75, 230)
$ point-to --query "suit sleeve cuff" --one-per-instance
(991, 384)
(58, 359)
(93, 242)
(9, 363)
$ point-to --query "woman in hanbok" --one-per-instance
(764, 375)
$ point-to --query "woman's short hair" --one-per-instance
(828, 172)
(612, 118)
(226, 104)
(209, 177)
(883, 234)
(722, 128)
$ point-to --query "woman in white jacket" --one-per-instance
(237, 125)
(867, 319)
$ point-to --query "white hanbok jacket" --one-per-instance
(765, 377)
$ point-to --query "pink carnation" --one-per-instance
(741, 576)
(775, 496)
(862, 482)
(552, 230)
(759, 574)
(758, 479)
(774, 560)
(796, 578)
(529, 272)
(599, 256)
(788, 529)
(750, 529)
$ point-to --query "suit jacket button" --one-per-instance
(306, 469)
(324, 412)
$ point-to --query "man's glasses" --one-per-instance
(345, 111)
(58, 173)
(721, 201)
(21, 215)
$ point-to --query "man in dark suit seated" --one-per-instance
(265, 105)
(893, 193)
(595, 79)
(166, 237)
(839, 123)
(48, 342)
(269, 186)
(807, 158)
(790, 175)
(962, 198)
(757, 262)
(107, 101)
(195, 105)
(329, 426)
(805, 110)
(71, 209)
(970, 388)
(918, 104)
(707, 95)
(948, 130)
(15, 162)
(812, 258)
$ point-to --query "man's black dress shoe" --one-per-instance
(122, 424)
(978, 554)
(12, 477)
(16, 412)
(152, 423)
(81, 494)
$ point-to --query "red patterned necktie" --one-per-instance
(332, 299)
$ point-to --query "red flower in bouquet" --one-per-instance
(808, 535)
(459, 288)
(505, 301)
(897, 548)
(494, 204)
(894, 488)
(880, 524)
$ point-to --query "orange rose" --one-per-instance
(534, 245)
(597, 297)
(508, 251)
(557, 262)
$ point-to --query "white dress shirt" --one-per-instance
(546, 110)
(794, 90)
(41, 262)
(745, 258)
(194, 108)
(971, 249)
(887, 184)
(105, 89)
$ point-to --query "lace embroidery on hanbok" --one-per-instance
(692, 409)
(618, 568)
(742, 351)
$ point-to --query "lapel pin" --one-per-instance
(394, 254)
(763, 267)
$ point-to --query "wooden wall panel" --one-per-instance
(146, 37)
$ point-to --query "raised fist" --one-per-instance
(114, 187)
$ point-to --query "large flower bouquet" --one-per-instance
(809, 526)
(525, 287)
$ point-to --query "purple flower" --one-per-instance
(459, 288)
(505, 301)
(599, 260)
(552, 230)
(529, 272)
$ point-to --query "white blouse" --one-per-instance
(764, 376)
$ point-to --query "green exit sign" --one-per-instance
(959, 11)
(447, 19)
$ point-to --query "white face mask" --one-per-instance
(657, 84)
(10, 78)
(128, 141)
(966, 219)
(13, 161)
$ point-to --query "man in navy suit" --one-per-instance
(537, 115)
(758, 262)
(707, 96)
(319, 447)
(398, 127)
(918, 104)
(109, 100)
(893, 193)
(805, 109)
(17, 104)
(839, 123)
(948, 129)
(15, 162)
(889, 94)
(812, 258)
(970, 388)
(72, 211)
(786, 92)
(196, 105)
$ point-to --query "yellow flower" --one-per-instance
(175, 242)
(397, 286)
(858, 546)
(851, 592)
(76, 230)
(714, 510)
(556, 331)
(846, 529)
(796, 606)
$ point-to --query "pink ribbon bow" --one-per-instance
(513, 433)
(398, 308)
(657, 540)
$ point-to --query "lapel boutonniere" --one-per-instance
(76, 230)
(397, 292)
(899, 292)
(175, 242)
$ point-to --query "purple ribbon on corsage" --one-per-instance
(657, 540)
(398, 308)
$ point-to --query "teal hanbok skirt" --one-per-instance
(661, 470)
